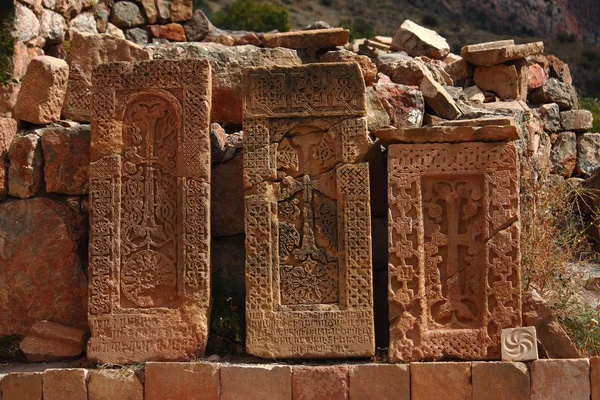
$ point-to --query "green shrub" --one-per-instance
(7, 15)
(359, 28)
(592, 105)
(203, 6)
(430, 21)
(253, 15)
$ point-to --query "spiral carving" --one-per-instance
(518, 342)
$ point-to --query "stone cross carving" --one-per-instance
(149, 211)
(454, 259)
(308, 245)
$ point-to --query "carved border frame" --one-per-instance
(411, 338)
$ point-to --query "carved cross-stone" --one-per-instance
(308, 245)
(149, 246)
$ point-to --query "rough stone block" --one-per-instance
(560, 379)
(416, 40)
(595, 377)
(114, 384)
(249, 382)
(508, 81)
(404, 104)
(438, 99)
(126, 14)
(588, 153)
(425, 183)
(536, 76)
(21, 386)
(492, 53)
(447, 380)
(576, 120)
(320, 383)
(557, 92)
(303, 173)
(500, 381)
(8, 130)
(173, 32)
(149, 211)
(318, 38)
(49, 341)
(519, 344)
(563, 157)
(550, 114)
(380, 381)
(42, 91)
(181, 10)
(62, 384)
(66, 159)
(25, 172)
(88, 51)
(176, 381)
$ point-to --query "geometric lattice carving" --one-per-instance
(149, 246)
(454, 258)
(308, 227)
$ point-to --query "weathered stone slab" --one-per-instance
(68, 383)
(195, 381)
(112, 384)
(454, 264)
(149, 211)
(508, 81)
(439, 99)
(49, 341)
(416, 40)
(25, 171)
(380, 381)
(317, 38)
(519, 344)
(576, 120)
(492, 53)
(560, 379)
(320, 383)
(500, 381)
(307, 219)
(249, 382)
(8, 130)
(88, 51)
(450, 134)
(21, 386)
(448, 381)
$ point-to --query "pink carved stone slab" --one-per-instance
(149, 273)
(307, 217)
(454, 256)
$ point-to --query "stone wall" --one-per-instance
(541, 380)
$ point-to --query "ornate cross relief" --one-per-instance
(149, 247)
(308, 227)
(454, 272)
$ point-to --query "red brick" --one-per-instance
(320, 383)
(380, 382)
(181, 381)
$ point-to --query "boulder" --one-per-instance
(88, 51)
(198, 27)
(536, 76)
(377, 116)
(227, 198)
(26, 163)
(126, 14)
(42, 91)
(564, 154)
(8, 130)
(492, 53)
(550, 114)
(181, 10)
(49, 341)
(149, 7)
(438, 99)
(27, 26)
(416, 40)
(68, 8)
(314, 39)
(84, 22)
(368, 68)
(102, 13)
(576, 120)
(112, 30)
(508, 81)
(550, 335)
(404, 104)
(138, 36)
(588, 153)
(41, 274)
(557, 92)
(66, 159)
(227, 64)
(401, 68)
(559, 70)
(163, 11)
(53, 27)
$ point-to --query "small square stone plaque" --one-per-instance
(519, 344)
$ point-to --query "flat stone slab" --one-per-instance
(318, 38)
(492, 53)
(149, 272)
(449, 134)
(307, 212)
(453, 240)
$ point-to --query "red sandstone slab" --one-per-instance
(62, 384)
(447, 380)
(380, 381)
(560, 379)
(318, 38)
(113, 384)
(21, 386)
(500, 381)
(253, 382)
(178, 381)
(320, 383)
(492, 53)
(449, 134)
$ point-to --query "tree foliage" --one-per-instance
(252, 15)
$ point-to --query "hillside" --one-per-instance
(569, 28)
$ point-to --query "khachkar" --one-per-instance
(454, 258)
(308, 229)
(149, 274)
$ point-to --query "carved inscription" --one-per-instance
(454, 272)
(308, 248)
(149, 211)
